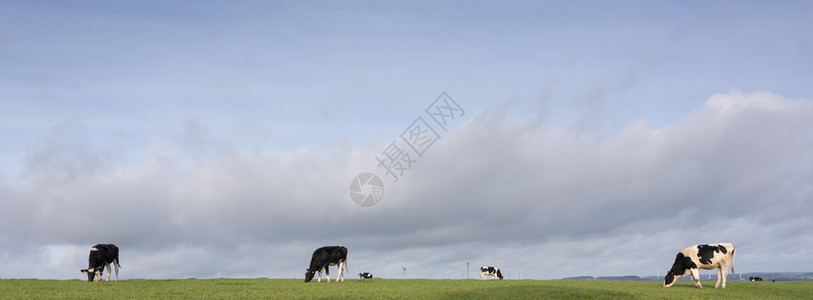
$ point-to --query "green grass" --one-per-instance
(393, 289)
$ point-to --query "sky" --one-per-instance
(216, 139)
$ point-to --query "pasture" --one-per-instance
(393, 289)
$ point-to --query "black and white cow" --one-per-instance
(707, 257)
(325, 257)
(101, 256)
(365, 275)
(755, 278)
(490, 271)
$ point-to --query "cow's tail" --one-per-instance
(348, 270)
(732, 260)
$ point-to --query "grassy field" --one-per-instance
(393, 289)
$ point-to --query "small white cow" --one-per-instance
(707, 257)
(494, 272)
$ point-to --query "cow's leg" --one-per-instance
(696, 276)
(116, 265)
(327, 272)
(320, 275)
(341, 266)
(725, 274)
(107, 266)
(719, 277)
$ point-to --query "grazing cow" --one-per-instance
(707, 257)
(755, 278)
(325, 257)
(365, 275)
(490, 271)
(101, 256)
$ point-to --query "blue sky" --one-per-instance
(98, 99)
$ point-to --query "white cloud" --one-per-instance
(499, 189)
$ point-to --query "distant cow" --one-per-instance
(325, 257)
(366, 275)
(490, 271)
(706, 257)
(755, 278)
(101, 256)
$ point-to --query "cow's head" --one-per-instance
(309, 275)
(682, 267)
(92, 273)
(670, 279)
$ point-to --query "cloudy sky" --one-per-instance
(220, 139)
